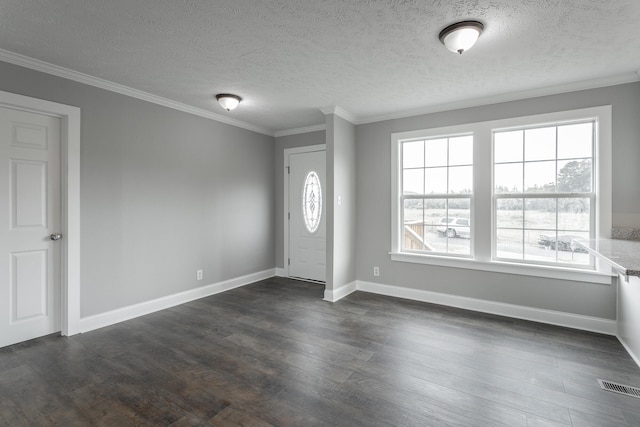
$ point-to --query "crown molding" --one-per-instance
(328, 110)
(478, 102)
(296, 131)
(340, 112)
(345, 115)
(514, 96)
(66, 73)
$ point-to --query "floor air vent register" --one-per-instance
(620, 388)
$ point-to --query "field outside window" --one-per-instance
(543, 186)
(437, 183)
(511, 195)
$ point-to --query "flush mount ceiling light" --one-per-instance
(461, 36)
(228, 101)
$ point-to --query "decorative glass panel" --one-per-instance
(312, 202)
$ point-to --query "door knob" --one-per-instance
(56, 236)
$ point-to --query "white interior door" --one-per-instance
(307, 221)
(30, 270)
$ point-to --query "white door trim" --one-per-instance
(287, 153)
(70, 199)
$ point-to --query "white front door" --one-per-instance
(30, 268)
(307, 223)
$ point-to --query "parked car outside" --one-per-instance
(454, 227)
(564, 242)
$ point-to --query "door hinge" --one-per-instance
(288, 170)
(288, 261)
(289, 215)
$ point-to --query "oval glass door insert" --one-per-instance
(312, 202)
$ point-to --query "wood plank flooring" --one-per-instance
(274, 354)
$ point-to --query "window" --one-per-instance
(543, 186)
(507, 195)
(437, 184)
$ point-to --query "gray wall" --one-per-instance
(282, 143)
(374, 198)
(341, 216)
(163, 193)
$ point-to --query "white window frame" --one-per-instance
(438, 196)
(592, 195)
(482, 201)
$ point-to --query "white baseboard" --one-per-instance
(280, 272)
(341, 292)
(130, 312)
(635, 357)
(575, 321)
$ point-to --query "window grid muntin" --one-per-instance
(556, 231)
(434, 196)
(591, 195)
(556, 160)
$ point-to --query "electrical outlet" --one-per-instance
(199, 275)
(376, 270)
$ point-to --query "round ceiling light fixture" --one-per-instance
(228, 101)
(461, 36)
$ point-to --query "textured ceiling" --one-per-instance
(288, 58)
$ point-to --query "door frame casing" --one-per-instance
(69, 199)
(287, 153)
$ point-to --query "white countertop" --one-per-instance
(623, 255)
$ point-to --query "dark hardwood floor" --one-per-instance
(274, 353)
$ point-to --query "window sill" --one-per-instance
(549, 272)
